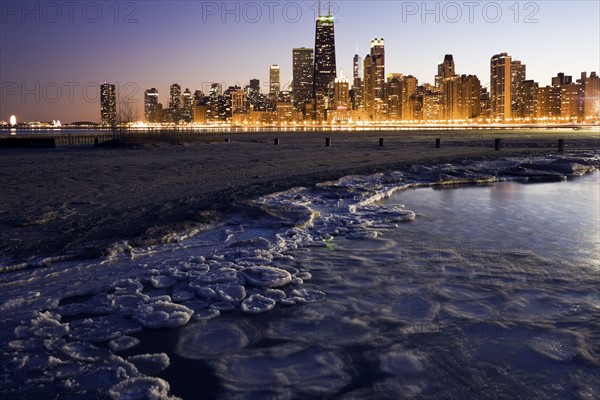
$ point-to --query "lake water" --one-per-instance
(479, 291)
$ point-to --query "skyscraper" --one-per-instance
(187, 111)
(517, 75)
(357, 84)
(108, 104)
(374, 93)
(274, 81)
(151, 105)
(325, 66)
(500, 86)
(175, 103)
(302, 81)
(445, 70)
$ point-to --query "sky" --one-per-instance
(55, 54)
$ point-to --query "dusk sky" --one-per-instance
(49, 49)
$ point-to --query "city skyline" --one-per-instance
(401, 56)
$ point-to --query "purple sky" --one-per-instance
(55, 54)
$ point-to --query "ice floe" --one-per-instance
(161, 314)
(266, 276)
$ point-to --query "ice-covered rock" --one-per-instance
(162, 314)
(266, 276)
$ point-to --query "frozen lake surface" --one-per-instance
(465, 281)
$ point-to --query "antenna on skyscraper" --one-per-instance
(319, 8)
(329, 8)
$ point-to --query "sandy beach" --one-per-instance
(78, 200)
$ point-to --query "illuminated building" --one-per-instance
(274, 82)
(528, 99)
(445, 70)
(357, 84)
(517, 75)
(302, 81)
(108, 104)
(561, 79)
(374, 81)
(325, 68)
(548, 102)
(151, 105)
(592, 97)
(394, 99)
(500, 86)
(175, 103)
(187, 111)
(571, 96)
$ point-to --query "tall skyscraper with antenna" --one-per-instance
(325, 65)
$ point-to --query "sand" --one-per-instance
(78, 200)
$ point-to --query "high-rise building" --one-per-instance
(274, 81)
(356, 64)
(517, 75)
(175, 103)
(187, 110)
(571, 101)
(500, 86)
(302, 81)
(108, 104)
(368, 83)
(592, 97)
(325, 67)
(528, 99)
(357, 91)
(151, 105)
(394, 96)
(445, 70)
(561, 79)
(374, 82)
(548, 102)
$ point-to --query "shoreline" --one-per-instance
(79, 201)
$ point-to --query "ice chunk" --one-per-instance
(182, 294)
(266, 276)
(307, 295)
(141, 388)
(161, 314)
(230, 293)
(399, 361)
(86, 352)
(558, 347)
(128, 303)
(287, 371)
(223, 307)
(207, 340)
(162, 281)
(206, 314)
(150, 364)
(101, 329)
(257, 304)
(219, 275)
(123, 343)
